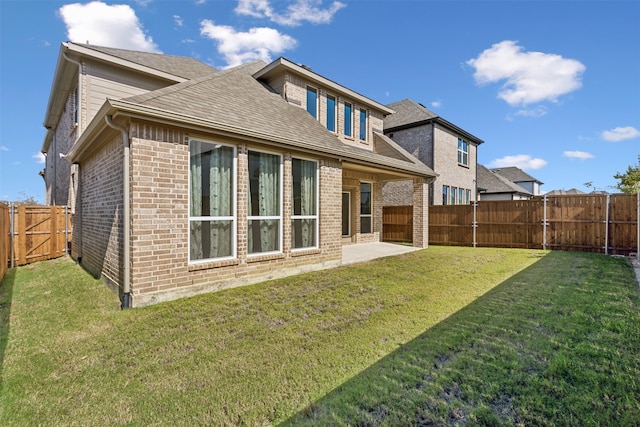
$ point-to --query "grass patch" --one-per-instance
(440, 336)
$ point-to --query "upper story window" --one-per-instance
(312, 101)
(363, 125)
(304, 215)
(265, 200)
(348, 119)
(445, 194)
(463, 152)
(331, 113)
(212, 202)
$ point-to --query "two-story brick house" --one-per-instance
(446, 148)
(219, 178)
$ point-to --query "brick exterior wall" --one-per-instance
(351, 183)
(295, 89)
(442, 158)
(97, 237)
(160, 269)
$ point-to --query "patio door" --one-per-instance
(346, 213)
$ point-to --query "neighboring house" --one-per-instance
(521, 178)
(225, 178)
(494, 185)
(571, 192)
(447, 149)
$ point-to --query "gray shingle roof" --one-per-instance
(492, 182)
(234, 100)
(181, 66)
(407, 112)
(515, 174)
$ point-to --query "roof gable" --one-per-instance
(515, 174)
(490, 181)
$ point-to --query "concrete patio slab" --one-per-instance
(360, 252)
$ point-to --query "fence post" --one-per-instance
(66, 230)
(544, 224)
(606, 229)
(638, 228)
(13, 225)
(475, 222)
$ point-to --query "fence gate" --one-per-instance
(38, 233)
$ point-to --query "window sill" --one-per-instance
(305, 252)
(462, 165)
(206, 265)
(266, 257)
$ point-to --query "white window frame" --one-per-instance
(317, 215)
(234, 218)
(335, 112)
(462, 153)
(257, 217)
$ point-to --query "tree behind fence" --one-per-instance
(591, 222)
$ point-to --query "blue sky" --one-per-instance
(552, 87)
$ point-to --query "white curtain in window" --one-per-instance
(220, 200)
(195, 208)
(304, 228)
(265, 201)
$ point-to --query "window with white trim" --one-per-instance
(348, 119)
(365, 208)
(363, 124)
(463, 152)
(304, 215)
(445, 194)
(212, 201)
(265, 203)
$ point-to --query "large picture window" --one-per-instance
(265, 212)
(211, 201)
(304, 218)
(365, 208)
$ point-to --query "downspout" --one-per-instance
(77, 106)
(126, 297)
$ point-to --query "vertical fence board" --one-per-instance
(5, 239)
(573, 223)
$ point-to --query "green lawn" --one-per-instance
(443, 336)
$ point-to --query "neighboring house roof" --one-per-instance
(492, 182)
(572, 191)
(515, 174)
(408, 114)
(233, 102)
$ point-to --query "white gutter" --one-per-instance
(77, 101)
(126, 297)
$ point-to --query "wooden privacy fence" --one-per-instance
(36, 233)
(591, 223)
(5, 240)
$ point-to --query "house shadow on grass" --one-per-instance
(471, 368)
(6, 297)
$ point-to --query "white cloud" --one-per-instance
(178, 20)
(295, 14)
(240, 47)
(534, 112)
(522, 161)
(4, 148)
(530, 77)
(582, 155)
(436, 104)
(106, 25)
(39, 157)
(620, 134)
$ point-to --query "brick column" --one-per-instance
(420, 213)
